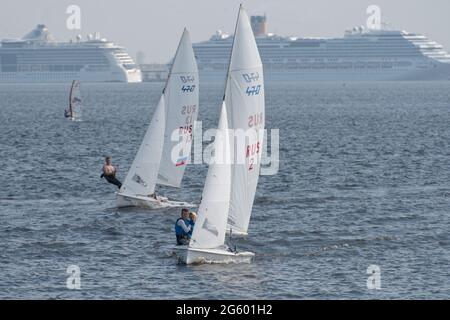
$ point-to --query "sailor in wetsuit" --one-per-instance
(109, 173)
(183, 228)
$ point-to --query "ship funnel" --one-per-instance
(259, 25)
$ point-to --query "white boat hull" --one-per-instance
(124, 201)
(189, 255)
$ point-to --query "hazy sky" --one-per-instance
(154, 27)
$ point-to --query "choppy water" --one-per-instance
(364, 180)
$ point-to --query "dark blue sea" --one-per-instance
(364, 179)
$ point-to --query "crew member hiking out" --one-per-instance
(109, 173)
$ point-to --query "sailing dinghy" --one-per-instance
(207, 244)
(229, 188)
(74, 111)
(160, 160)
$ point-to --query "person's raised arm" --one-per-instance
(183, 226)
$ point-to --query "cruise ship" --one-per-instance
(37, 57)
(361, 55)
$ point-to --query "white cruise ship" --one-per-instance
(37, 57)
(362, 54)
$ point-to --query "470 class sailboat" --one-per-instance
(160, 159)
(231, 181)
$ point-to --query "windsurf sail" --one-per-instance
(244, 97)
(74, 111)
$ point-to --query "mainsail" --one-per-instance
(244, 97)
(181, 113)
(211, 224)
(177, 108)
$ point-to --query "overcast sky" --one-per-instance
(154, 27)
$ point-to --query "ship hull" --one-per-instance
(440, 72)
(133, 76)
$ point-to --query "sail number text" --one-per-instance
(187, 88)
(252, 77)
(188, 112)
(253, 90)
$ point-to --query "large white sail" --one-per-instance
(210, 227)
(244, 96)
(181, 113)
(142, 176)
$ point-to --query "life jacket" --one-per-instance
(179, 230)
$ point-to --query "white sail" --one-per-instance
(211, 224)
(181, 113)
(244, 96)
(142, 176)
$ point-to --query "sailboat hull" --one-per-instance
(189, 255)
(124, 201)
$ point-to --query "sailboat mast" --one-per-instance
(171, 67)
(70, 99)
(231, 53)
